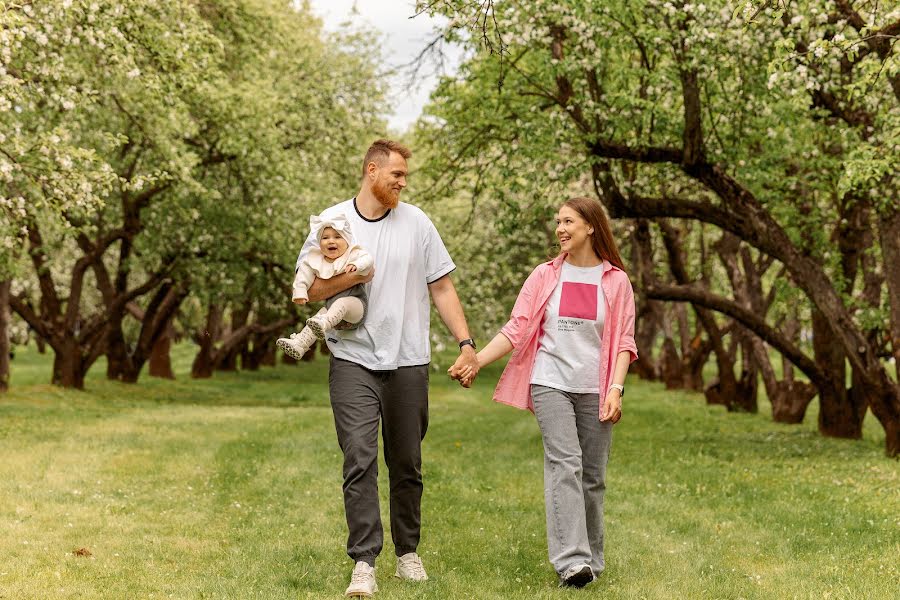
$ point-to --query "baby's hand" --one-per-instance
(301, 300)
(349, 268)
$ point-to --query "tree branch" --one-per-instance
(701, 297)
(24, 310)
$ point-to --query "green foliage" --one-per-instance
(783, 112)
(205, 131)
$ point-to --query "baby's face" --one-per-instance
(332, 244)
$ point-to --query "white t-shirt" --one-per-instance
(568, 357)
(409, 254)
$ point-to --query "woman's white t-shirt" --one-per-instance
(568, 356)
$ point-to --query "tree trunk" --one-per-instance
(839, 414)
(649, 312)
(250, 361)
(155, 336)
(69, 366)
(889, 234)
(160, 357)
(646, 366)
(747, 218)
(262, 352)
(203, 365)
(725, 390)
(790, 399)
(4, 335)
(683, 372)
(229, 361)
(268, 353)
(670, 365)
(747, 398)
(116, 349)
(890, 397)
(692, 373)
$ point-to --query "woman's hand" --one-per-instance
(465, 374)
(612, 408)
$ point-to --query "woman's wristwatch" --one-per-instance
(619, 387)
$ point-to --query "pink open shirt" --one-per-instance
(524, 330)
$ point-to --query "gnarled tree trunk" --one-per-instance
(840, 410)
(160, 364)
(649, 312)
(4, 335)
(203, 364)
(69, 366)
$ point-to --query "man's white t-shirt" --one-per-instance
(568, 357)
(409, 254)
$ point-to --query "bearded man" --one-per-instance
(379, 371)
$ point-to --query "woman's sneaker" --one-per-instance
(577, 576)
(409, 566)
(362, 581)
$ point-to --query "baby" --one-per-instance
(337, 253)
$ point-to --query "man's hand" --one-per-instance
(465, 368)
(322, 289)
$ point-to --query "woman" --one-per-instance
(572, 332)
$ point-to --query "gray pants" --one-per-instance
(576, 450)
(360, 398)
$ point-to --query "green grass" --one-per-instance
(230, 488)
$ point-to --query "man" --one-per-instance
(379, 371)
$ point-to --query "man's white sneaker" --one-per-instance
(362, 582)
(409, 566)
(577, 576)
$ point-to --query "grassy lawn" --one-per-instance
(230, 488)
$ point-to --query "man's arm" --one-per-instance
(449, 307)
(322, 289)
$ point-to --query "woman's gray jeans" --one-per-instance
(576, 450)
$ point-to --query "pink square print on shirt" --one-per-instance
(578, 300)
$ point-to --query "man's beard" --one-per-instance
(385, 196)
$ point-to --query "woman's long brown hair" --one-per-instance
(602, 241)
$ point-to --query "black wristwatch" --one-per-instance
(468, 342)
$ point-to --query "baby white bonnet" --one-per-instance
(339, 223)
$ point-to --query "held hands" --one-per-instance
(612, 408)
(465, 368)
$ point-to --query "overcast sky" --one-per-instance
(404, 39)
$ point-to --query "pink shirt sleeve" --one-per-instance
(626, 342)
(517, 326)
